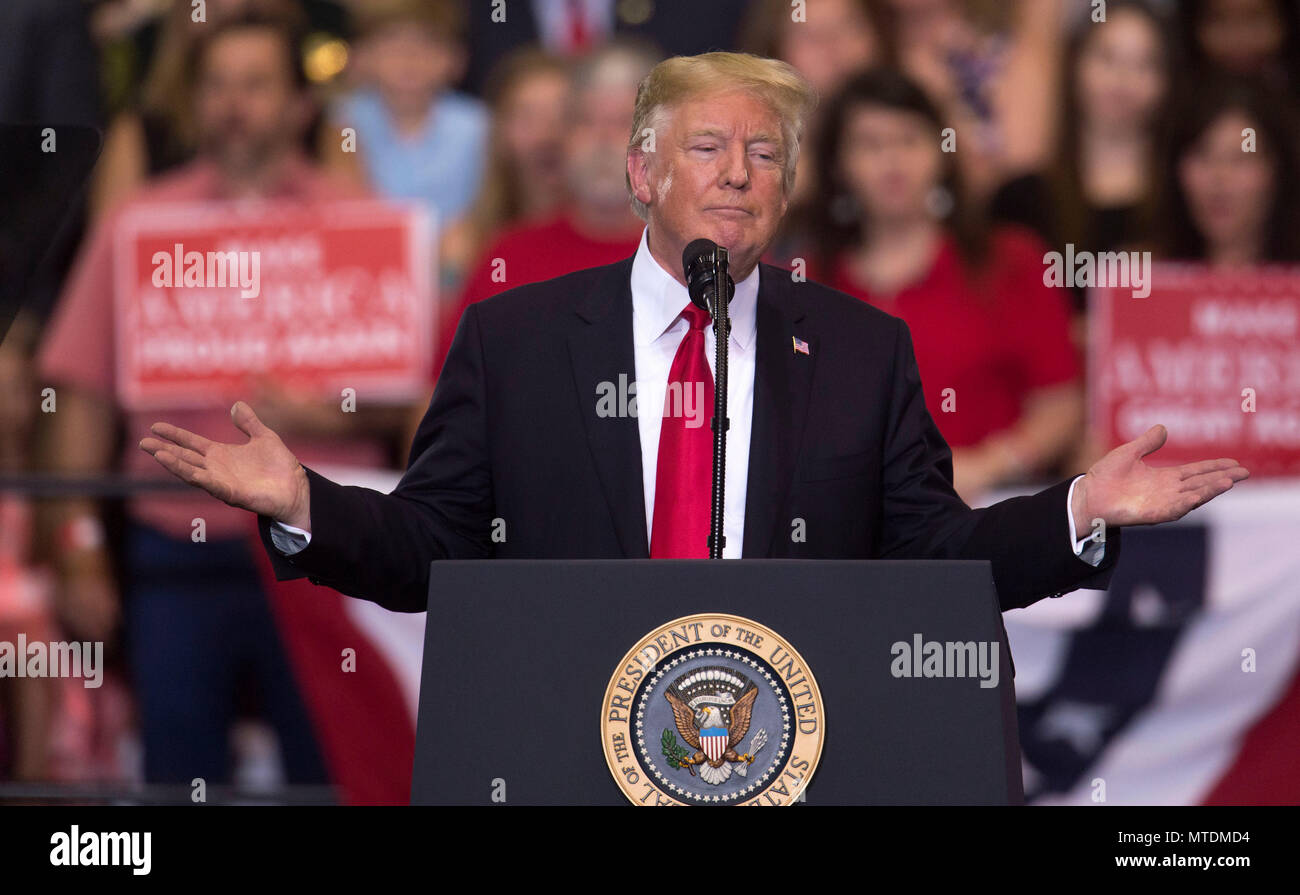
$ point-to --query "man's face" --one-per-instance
(246, 105)
(716, 172)
(595, 146)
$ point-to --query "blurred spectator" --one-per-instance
(993, 67)
(1096, 194)
(1253, 38)
(992, 341)
(524, 177)
(1225, 199)
(415, 138)
(573, 27)
(133, 33)
(597, 226)
(198, 625)
(48, 78)
(26, 705)
(1217, 201)
(159, 133)
(831, 41)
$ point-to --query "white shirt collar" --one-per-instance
(658, 299)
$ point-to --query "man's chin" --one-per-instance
(737, 237)
(242, 156)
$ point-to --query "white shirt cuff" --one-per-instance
(1091, 549)
(288, 539)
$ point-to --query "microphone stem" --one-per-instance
(721, 330)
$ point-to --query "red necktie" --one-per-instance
(579, 35)
(684, 477)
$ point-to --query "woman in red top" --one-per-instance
(1000, 373)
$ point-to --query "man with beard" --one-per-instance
(199, 626)
(596, 225)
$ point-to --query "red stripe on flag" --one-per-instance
(361, 720)
(1265, 771)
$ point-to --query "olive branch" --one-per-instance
(673, 751)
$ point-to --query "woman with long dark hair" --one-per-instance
(1230, 188)
(889, 224)
(1097, 191)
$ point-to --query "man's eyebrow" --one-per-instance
(713, 132)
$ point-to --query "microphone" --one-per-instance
(705, 265)
(703, 262)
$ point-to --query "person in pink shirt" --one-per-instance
(198, 626)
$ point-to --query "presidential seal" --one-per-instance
(712, 709)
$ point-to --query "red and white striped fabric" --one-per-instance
(363, 703)
(1181, 683)
(1178, 685)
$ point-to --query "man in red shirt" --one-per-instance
(597, 226)
(198, 622)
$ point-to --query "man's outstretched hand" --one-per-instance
(1122, 490)
(261, 475)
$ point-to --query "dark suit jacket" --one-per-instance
(841, 439)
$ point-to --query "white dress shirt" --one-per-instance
(657, 330)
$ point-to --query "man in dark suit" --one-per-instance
(531, 447)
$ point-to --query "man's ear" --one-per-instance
(638, 174)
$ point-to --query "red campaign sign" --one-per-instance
(1213, 355)
(317, 296)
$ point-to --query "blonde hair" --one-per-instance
(680, 78)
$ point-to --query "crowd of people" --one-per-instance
(955, 143)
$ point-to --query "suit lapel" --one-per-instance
(601, 349)
(782, 379)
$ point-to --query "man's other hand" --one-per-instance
(262, 475)
(1122, 490)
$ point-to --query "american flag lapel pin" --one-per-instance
(800, 346)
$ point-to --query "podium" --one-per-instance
(525, 669)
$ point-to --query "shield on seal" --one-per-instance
(713, 741)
